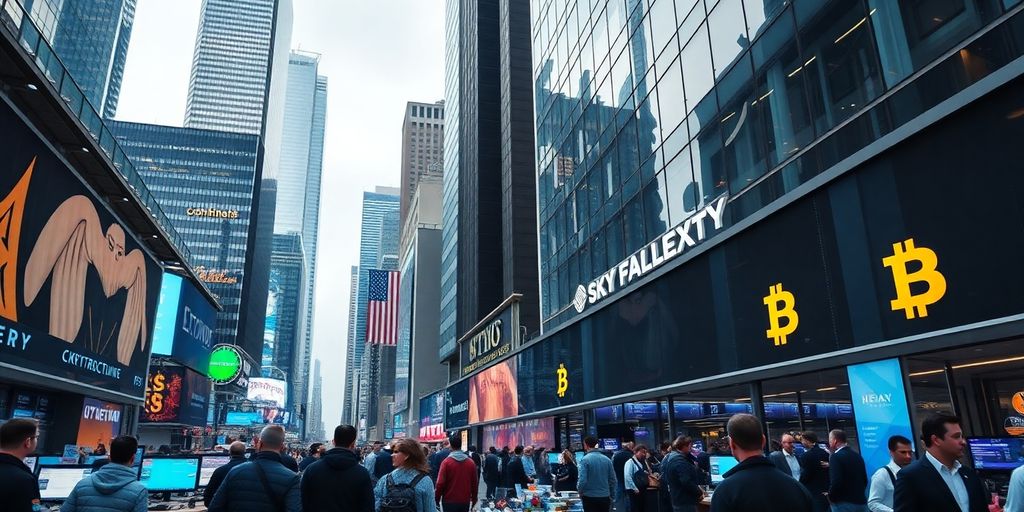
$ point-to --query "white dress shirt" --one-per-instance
(881, 491)
(1015, 498)
(794, 463)
(953, 480)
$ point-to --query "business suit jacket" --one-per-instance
(848, 478)
(779, 459)
(812, 475)
(920, 488)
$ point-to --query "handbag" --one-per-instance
(653, 479)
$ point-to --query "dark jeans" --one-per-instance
(491, 486)
(596, 504)
(636, 501)
(454, 507)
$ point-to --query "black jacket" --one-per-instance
(517, 472)
(336, 483)
(779, 459)
(848, 478)
(289, 462)
(242, 490)
(567, 477)
(812, 474)
(619, 464)
(756, 484)
(218, 477)
(492, 468)
(307, 461)
(382, 465)
(435, 461)
(18, 486)
(920, 488)
(680, 474)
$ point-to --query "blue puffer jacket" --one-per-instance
(112, 488)
(242, 490)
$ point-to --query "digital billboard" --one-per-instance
(536, 432)
(176, 395)
(493, 393)
(78, 293)
(184, 324)
(268, 390)
(100, 422)
(880, 404)
(457, 405)
(432, 417)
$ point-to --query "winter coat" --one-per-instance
(242, 490)
(19, 490)
(756, 484)
(113, 488)
(457, 481)
(217, 478)
(337, 482)
(424, 489)
(492, 468)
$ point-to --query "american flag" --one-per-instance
(382, 308)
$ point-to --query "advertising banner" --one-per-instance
(100, 422)
(78, 293)
(493, 394)
(498, 338)
(184, 324)
(880, 406)
(457, 405)
(432, 418)
(176, 395)
(268, 390)
(537, 432)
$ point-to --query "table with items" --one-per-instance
(535, 498)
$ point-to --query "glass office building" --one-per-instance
(282, 346)
(770, 207)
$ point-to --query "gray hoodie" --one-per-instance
(459, 456)
(112, 488)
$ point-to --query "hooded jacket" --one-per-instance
(112, 488)
(19, 491)
(337, 482)
(242, 490)
(458, 481)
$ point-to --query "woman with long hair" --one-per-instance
(410, 468)
(568, 473)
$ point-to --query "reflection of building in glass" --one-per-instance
(284, 317)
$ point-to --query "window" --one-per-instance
(728, 34)
(696, 60)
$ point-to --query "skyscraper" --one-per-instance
(379, 360)
(422, 148)
(348, 412)
(315, 424)
(281, 347)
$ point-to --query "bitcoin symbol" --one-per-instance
(904, 253)
(563, 380)
(778, 332)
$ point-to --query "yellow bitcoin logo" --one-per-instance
(780, 305)
(563, 380)
(904, 253)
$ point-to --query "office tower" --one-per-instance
(348, 412)
(422, 148)
(489, 225)
(315, 424)
(282, 347)
(379, 360)
(206, 181)
(417, 370)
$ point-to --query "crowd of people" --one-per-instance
(407, 476)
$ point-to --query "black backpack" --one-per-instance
(400, 497)
(640, 476)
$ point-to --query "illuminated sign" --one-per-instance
(486, 344)
(225, 364)
(215, 213)
(215, 276)
(268, 390)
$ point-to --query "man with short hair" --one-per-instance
(19, 491)
(596, 483)
(786, 458)
(492, 471)
(938, 482)
(638, 462)
(883, 482)
(263, 484)
(755, 483)
(114, 487)
(847, 475)
(517, 469)
(337, 482)
(814, 471)
(371, 458)
(316, 450)
(458, 482)
(237, 452)
(382, 464)
(528, 463)
(619, 460)
(680, 475)
(437, 458)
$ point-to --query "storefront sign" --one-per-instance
(1018, 402)
(490, 342)
(268, 390)
(176, 395)
(226, 364)
(457, 405)
(215, 213)
(217, 276)
(880, 406)
(432, 417)
(100, 422)
(184, 324)
(78, 293)
(688, 233)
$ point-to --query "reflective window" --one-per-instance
(681, 189)
(760, 13)
(728, 34)
(633, 225)
(655, 207)
(699, 76)
(662, 19)
(670, 97)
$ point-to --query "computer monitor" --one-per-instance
(209, 464)
(720, 465)
(48, 460)
(996, 453)
(31, 463)
(610, 443)
(170, 474)
(57, 482)
(553, 457)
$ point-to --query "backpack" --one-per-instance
(400, 497)
(640, 476)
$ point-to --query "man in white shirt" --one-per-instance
(938, 482)
(636, 463)
(786, 459)
(883, 482)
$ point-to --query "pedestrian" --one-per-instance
(597, 480)
(680, 475)
(505, 456)
(543, 467)
(288, 461)
(848, 478)
(382, 464)
(1015, 494)
(437, 458)
(237, 452)
(786, 458)
(814, 471)
(883, 482)
(370, 459)
(316, 450)
(263, 484)
(114, 487)
(19, 490)
(636, 473)
(336, 482)
(568, 474)
(458, 482)
(492, 471)
(619, 460)
(517, 469)
(408, 486)
(476, 460)
(938, 482)
(755, 483)
(529, 464)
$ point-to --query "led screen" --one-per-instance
(493, 393)
(169, 474)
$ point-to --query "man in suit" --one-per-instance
(786, 459)
(848, 478)
(938, 482)
(814, 471)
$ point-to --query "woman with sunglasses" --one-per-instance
(411, 469)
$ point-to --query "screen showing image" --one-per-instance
(720, 465)
(31, 463)
(553, 457)
(610, 444)
(169, 474)
(48, 460)
(996, 453)
(493, 393)
(209, 465)
(56, 482)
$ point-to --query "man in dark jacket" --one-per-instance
(848, 478)
(316, 450)
(516, 471)
(814, 471)
(476, 460)
(492, 471)
(755, 483)
(786, 459)
(288, 461)
(505, 456)
(237, 451)
(114, 487)
(437, 458)
(679, 475)
(938, 482)
(19, 491)
(619, 460)
(382, 464)
(458, 483)
(263, 484)
(337, 482)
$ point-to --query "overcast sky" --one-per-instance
(377, 56)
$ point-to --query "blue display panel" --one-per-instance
(170, 474)
(880, 405)
(720, 465)
(996, 453)
(184, 324)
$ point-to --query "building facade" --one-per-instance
(282, 342)
(422, 148)
(349, 412)
(378, 359)
(315, 422)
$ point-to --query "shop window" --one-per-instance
(818, 402)
(703, 416)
